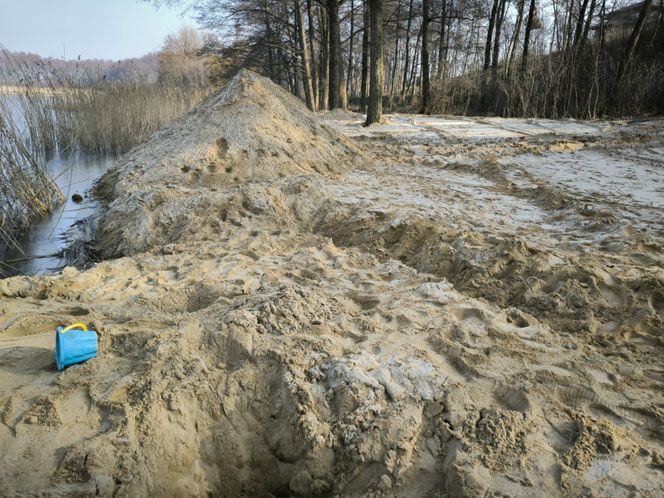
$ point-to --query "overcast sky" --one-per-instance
(93, 29)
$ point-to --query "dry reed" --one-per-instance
(26, 190)
(44, 113)
(112, 117)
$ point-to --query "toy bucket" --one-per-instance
(74, 344)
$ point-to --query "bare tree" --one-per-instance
(306, 63)
(334, 57)
(529, 28)
(180, 59)
(489, 35)
(365, 59)
(634, 38)
(583, 64)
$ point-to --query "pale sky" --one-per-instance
(93, 29)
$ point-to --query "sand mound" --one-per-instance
(251, 130)
(278, 364)
(397, 330)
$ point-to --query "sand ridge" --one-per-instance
(417, 320)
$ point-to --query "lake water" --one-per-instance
(41, 243)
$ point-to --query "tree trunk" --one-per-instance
(567, 34)
(375, 108)
(306, 64)
(441, 41)
(489, 35)
(270, 50)
(324, 58)
(292, 68)
(416, 59)
(365, 59)
(500, 17)
(448, 34)
(343, 96)
(349, 73)
(526, 41)
(334, 54)
(312, 53)
(634, 39)
(578, 31)
(397, 39)
(406, 62)
(515, 37)
(426, 88)
(586, 30)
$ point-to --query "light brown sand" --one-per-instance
(415, 312)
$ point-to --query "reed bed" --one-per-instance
(59, 115)
(112, 117)
(27, 192)
(45, 113)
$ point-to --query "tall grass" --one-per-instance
(549, 90)
(26, 190)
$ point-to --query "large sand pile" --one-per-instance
(294, 332)
(252, 130)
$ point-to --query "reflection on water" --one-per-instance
(46, 238)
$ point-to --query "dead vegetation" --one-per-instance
(44, 114)
(26, 190)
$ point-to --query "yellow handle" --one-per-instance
(75, 326)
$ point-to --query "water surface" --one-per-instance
(46, 238)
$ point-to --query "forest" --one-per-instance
(523, 58)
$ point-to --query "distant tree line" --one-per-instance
(86, 71)
(553, 58)
(184, 60)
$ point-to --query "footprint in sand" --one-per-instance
(613, 295)
(657, 302)
(472, 316)
(512, 398)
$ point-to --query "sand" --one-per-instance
(428, 307)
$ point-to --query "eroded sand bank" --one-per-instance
(431, 307)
